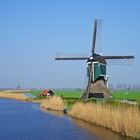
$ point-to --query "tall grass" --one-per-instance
(53, 103)
(122, 119)
(16, 96)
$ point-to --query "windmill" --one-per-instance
(96, 70)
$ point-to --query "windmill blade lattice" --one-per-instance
(62, 56)
(94, 37)
(119, 60)
(98, 41)
(118, 57)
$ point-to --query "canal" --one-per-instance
(26, 121)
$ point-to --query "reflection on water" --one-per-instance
(56, 113)
(102, 133)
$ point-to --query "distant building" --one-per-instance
(46, 93)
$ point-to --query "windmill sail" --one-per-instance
(119, 60)
(97, 36)
(118, 57)
(94, 37)
(63, 56)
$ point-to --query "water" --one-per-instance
(26, 121)
(29, 95)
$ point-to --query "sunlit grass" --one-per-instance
(17, 96)
(69, 93)
(118, 94)
(53, 103)
(130, 94)
(36, 92)
(122, 119)
(63, 93)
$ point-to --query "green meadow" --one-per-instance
(117, 94)
(69, 94)
(36, 92)
(130, 95)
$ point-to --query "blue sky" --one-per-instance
(33, 31)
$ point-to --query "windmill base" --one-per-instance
(97, 89)
(96, 95)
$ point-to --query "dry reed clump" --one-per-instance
(16, 96)
(53, 103)
(122, 119)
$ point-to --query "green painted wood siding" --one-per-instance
(96, 71)
(103, 69)
(99, 69)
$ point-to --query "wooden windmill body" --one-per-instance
(96, 70)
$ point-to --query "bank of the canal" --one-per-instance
(25, 120)
(116, 116)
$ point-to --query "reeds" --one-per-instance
(122, 119)
(17, 96)
(53, 103)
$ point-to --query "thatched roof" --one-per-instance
(100, 87)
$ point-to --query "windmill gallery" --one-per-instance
(96, 70)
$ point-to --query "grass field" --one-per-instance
(118, 94)
(35, 92)
(130, 95)
(63, 93)
(68, 93)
